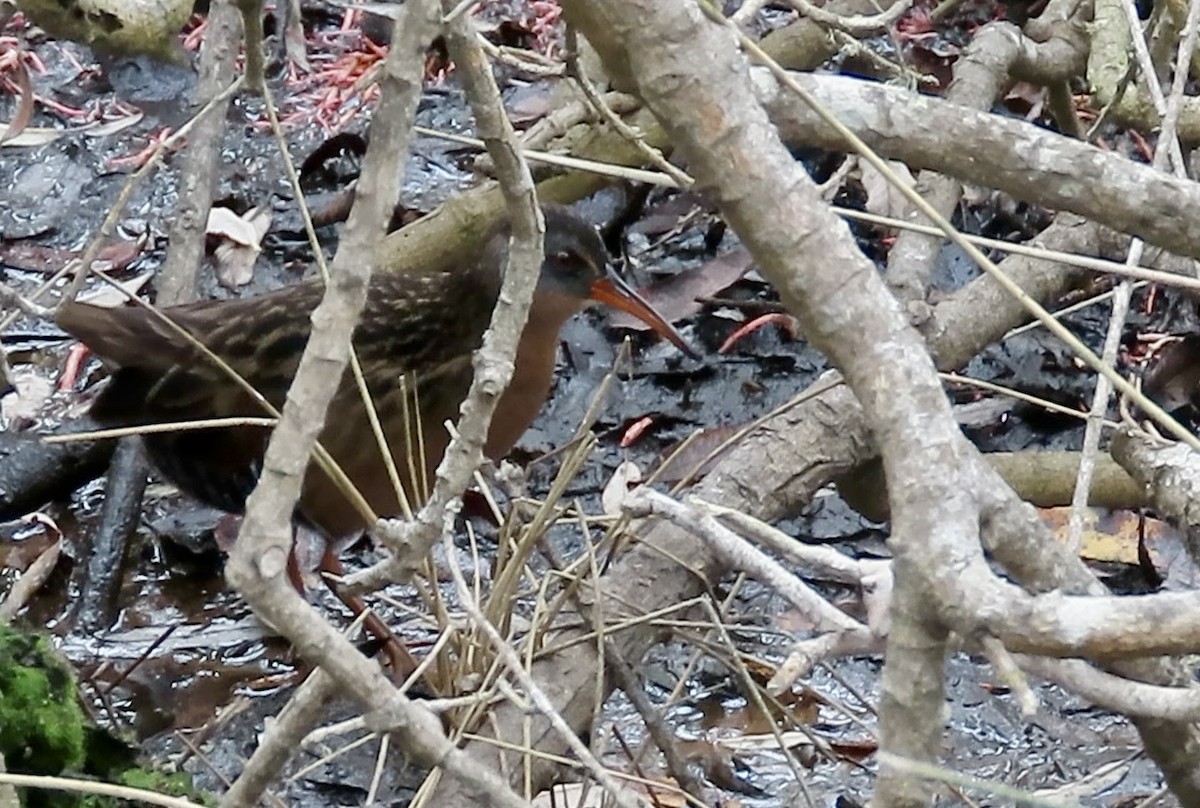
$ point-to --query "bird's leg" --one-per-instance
(403, 663)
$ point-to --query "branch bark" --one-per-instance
(698, 87)
(258, 561)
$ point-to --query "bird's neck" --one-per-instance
(533, 370)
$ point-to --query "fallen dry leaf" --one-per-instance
(241, 239)
(676, 298)
(884, 198)
(32, 388)
(30, 582)
(224, 223)
(697, 454)
(617, 489)
(108, 297)
(24, 113)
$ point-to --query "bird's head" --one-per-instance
(576, 266)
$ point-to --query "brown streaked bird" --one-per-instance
(423, 325)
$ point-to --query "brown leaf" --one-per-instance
(683, 458)
(25, 108)
(1124, 537)
(29, 583)
(676, 298)
(857, 751)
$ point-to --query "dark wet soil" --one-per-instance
(186, 662)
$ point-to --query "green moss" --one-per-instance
(43, 730)
(178, 784)
(175, 785)
(42, 727)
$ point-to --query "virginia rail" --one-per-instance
(421, 325)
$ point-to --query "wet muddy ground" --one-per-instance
(186, 664)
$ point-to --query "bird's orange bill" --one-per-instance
(615, 292)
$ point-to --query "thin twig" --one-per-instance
(410, 541)
(576, 72)
(859, 146)
(858, 25)
(532, 691)
(1123, 293)
(153, 429)
(258, 561)
(734, 551)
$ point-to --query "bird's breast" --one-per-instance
(520, 404)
